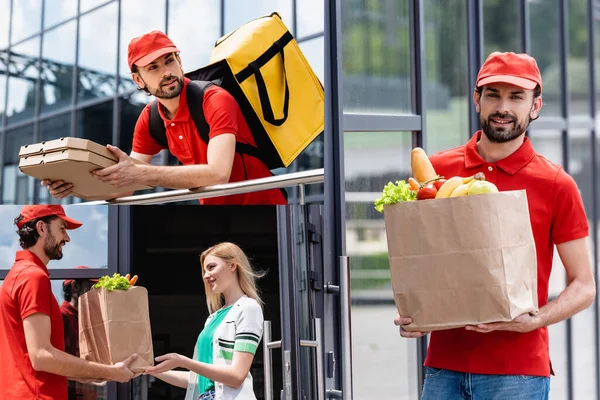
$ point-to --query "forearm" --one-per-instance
(175, 378)
(58, 362)
(227, 375)
(576, 297)
(183, 176)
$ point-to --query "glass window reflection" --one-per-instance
(194, 27)
(50, 129)
(501, 28)
(4, 23)
(98, 53)
(58, 58)
(578, 68)
(16, 186)
(310, 16)
(376, 54)
(135, 21)
(239, 12)
(96, 123)
(446, 90)
(544, 34)
(87, 5)
(57, 11)
(2, 97)
(22, 82)
(26, 19)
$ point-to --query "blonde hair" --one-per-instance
(232, 254)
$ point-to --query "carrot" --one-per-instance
(133, 280)
(414, 185)
(422, 169)
(127, 277)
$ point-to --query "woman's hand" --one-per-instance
(167, 363)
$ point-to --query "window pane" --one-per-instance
(55, 127)
(135, 21)
(16, 186)
(96, 123)
(58, 55)
(2, 93)
(21, 83)
(310, 15)
(597, 55)
(384, 366)
(547, 143)
(57, 11)
(4, 23)
(98, 54)
(239, 12)
(558, 354)
(501, 28)
(544, 33)
(584, 360)
(89, 4)
(446, 89)
(376, 54)
(578, 70)
(194, 27)
(130, 111)
(26, 19)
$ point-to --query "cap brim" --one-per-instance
(513, 80)
(71, 223)
(147, 59)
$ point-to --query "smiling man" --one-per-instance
(157, 69)
(34, 364)
(511, 360)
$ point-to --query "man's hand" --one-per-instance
(124, 173)
(401, 321)
(523, 323)
(58, 189)
(167, 363)
(121, 372)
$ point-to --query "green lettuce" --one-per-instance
(395, 193)
(116, 282)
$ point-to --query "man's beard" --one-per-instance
(503, 135)
(169, 93)
(52, 249)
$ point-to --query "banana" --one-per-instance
(463, 190)
(448, 187)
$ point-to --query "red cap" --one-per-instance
(517, 69)
(69, 281)
(147, 48)
(30, 213)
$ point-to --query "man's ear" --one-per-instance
(476, 100)
(138, 80)
(536, 107)
(41, 227)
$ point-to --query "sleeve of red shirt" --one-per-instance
(143, 143)
(220, 112)
(569, 221)
(33, 293)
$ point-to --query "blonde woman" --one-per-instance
(220, 368)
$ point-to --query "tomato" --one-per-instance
(438, 184)
(427, 192)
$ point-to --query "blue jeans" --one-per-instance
(442, 384)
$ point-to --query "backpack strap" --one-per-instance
(157, 125)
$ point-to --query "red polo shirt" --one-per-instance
(223, 115)
(557, 216)
(26, 291)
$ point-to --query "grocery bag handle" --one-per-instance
(254, 69)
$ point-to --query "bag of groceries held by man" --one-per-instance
(114, 323)
(461, 253)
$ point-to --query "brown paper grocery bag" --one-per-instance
(114, 325)
(462, 261)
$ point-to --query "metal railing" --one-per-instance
(299, 179)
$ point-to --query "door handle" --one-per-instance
(268, 366)
(318, 346)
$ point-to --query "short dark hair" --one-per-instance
(28, 234)
(537, 91)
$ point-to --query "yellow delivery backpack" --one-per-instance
(281, 98)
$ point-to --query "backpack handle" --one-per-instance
(254, 69)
